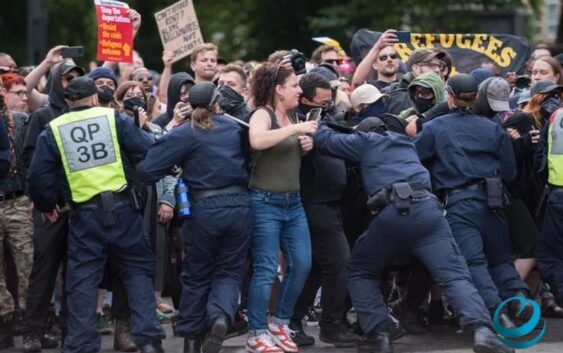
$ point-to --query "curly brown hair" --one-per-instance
(264, 82)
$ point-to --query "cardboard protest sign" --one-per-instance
(468, 51)
(179, 28)
(115, 31)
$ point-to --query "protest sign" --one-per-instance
(179, 29)
(115, 31)
(468, 51)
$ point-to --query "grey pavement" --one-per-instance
(446, 340)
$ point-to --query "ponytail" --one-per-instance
(201, 118)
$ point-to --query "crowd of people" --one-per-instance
(400, 193)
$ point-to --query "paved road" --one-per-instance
(444, 341)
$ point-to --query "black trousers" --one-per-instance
(49, 252)
(330, 256)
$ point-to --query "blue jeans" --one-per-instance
(279, 223)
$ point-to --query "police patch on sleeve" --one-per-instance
(87, 143)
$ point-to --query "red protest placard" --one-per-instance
(115, 31)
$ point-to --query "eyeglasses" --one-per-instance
(143, 78)
(19, 93)
(385, 57)
(332, 61)
(422, 92)
(434, 66)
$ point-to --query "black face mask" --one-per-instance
(423, 104)
(130, 103)
(551, 104)
(105, 94)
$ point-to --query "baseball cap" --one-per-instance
(498, 93)
(80, 87)
(103, 72)
(371, 124)
(328, 74)
(461, 83)
(203, 94)
(365, 94)
(421, 56)
(544, 86)
(68, 66)
(524, 97)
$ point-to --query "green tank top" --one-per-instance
(276, 169)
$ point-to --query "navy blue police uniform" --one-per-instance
(386, 161)
(216, 238)
(462, 150)
(105, 223)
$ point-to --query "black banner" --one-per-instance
(508, 52)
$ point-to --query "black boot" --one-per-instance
(32, 342)
(301, 339)
(435, 313)
(6, 336)
(213, 341)
(514, 308)
(376, 342)
(192, 345)
(337, 333)
(239, 326)
(486, 341)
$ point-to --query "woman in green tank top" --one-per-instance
(279, 219)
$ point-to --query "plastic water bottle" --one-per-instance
(183, 199)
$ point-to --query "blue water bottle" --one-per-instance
(183, 199)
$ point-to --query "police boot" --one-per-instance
(486, 341)
(213, 341)
(192, 345)
(152, 348)
(6, 337)
(376, 342)
(514, 308)
(337, 333)
(121, 340)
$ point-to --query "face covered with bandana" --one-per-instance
(551, 103)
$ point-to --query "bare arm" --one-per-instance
(167, 57)
(366, 65)
(34, 98)
(262, 136)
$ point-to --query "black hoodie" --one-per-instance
(176, 82)
(42, 116)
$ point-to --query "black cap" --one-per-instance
(327, 73)
(461, 83)
(544, 86)
(80, 87)
(372, 124)
(68, 66)
(203, 94)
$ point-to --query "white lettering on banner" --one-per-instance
(87, 143)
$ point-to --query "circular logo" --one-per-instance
(521, 331)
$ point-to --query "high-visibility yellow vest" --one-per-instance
(555, 149)
(89, 149)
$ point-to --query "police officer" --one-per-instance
(550, 244)
(91, 149)
(408, 219)
(216, 239)
(469, 157)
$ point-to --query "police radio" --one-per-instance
(183, 199)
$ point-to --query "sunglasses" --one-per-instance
(143, 78)
(333, 61)
(390, 56)
(434, 66)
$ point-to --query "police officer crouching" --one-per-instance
(210, 150)
(409, 219)
(91, 148)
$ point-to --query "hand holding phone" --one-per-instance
(314, 114)
(403, 37)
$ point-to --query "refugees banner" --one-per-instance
(115, 31)
(179, 29)
(468, 51)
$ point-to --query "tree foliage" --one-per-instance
(249, 29)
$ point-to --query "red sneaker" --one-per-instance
(262, 344)
(282, 335)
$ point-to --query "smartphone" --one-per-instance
(403, 37)
(314, 114)
(73, 52)
(136, 116)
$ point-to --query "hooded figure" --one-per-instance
(429, 80)
(56, 106)
(174, 87)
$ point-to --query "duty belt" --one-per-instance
(399, 193)
(233, 189)
(480, 186)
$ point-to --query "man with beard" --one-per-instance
(383, 59)
(234, 91)
(204, 62)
